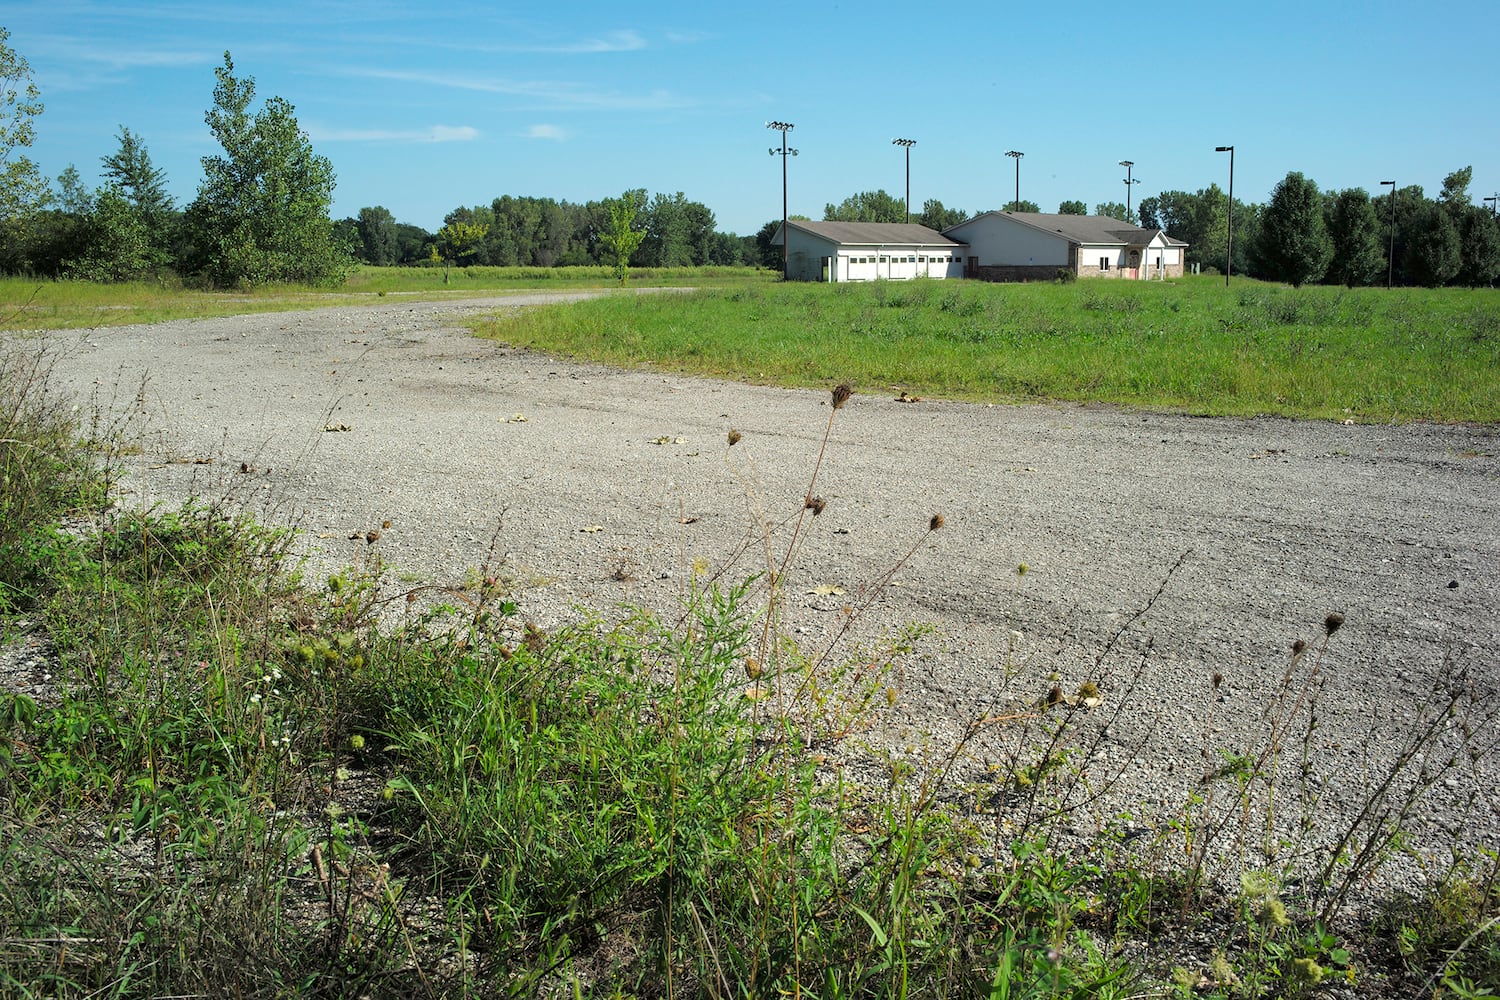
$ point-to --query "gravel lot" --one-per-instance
(350, 417)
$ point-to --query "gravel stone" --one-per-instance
(1161, 549)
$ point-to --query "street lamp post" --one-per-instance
(1015, 155)
(1229, 253)
(783, 128)
(908, 144)
(1390, 260)
(1129, 166)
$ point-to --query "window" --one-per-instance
(1104, 263)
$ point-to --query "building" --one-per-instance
(1035, 246)
(866, 251)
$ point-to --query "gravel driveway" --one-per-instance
(606, 485)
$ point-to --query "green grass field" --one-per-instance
(1192, 345)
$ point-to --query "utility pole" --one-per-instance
(1229, 254)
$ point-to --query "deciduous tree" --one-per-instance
(621, 239)
(1358, 256)
(1115, 210)
(935, 216)
(261, 214)
(1433, 252)
(1294, 246)
(22, 189)
(866, 206)
(1478, 248)
(376, 229)
(1072, 208)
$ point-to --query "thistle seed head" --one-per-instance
(734, 437)
(1332, 622)
(841, 394)
(936, 522)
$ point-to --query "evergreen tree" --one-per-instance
(1293, 245)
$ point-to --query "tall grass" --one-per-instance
(218, 781)
(1192, 345)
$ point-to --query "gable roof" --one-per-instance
(870, 233)
(1095, 230)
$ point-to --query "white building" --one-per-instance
(1031, 246)
(866, 251)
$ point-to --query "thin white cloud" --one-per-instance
(615, 41)
(547, 92)
(433, 133)
(546, 132)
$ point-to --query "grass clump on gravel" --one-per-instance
(218, 780)
(1330, 353)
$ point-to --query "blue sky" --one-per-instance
(426, 107)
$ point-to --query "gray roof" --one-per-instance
(872, 233)
(1097, 230)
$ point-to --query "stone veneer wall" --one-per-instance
(1016, 272)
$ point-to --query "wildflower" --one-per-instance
(841, 394)
(734, 437)
(255, 699)
(372, 536)
(1299, 647)
(752, 668)
(1332, 622)
(1307, 970)
(356, 742)
(936, 522)
(1022, 569)
(1274, 913)
(1218, 680)
(816, 505)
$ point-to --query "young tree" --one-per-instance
(458, 241)
(1072, 208)
(1353, 229)
(22, 189)
(1024, 205)
(1294, 246)
(261, 214)
(621, 239)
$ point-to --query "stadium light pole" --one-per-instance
(1390, 259)
(1129, 166)
(1016, 155)
(1494, 200)
(908, 144)
(786, 258)
(1229, 253)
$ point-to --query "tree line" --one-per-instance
(261, 216)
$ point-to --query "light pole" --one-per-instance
(1390, 260)
(1494, 200)
(1014, 155)
(1129, 166)
(908, 144)
(783, 128)
(1229, 253)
